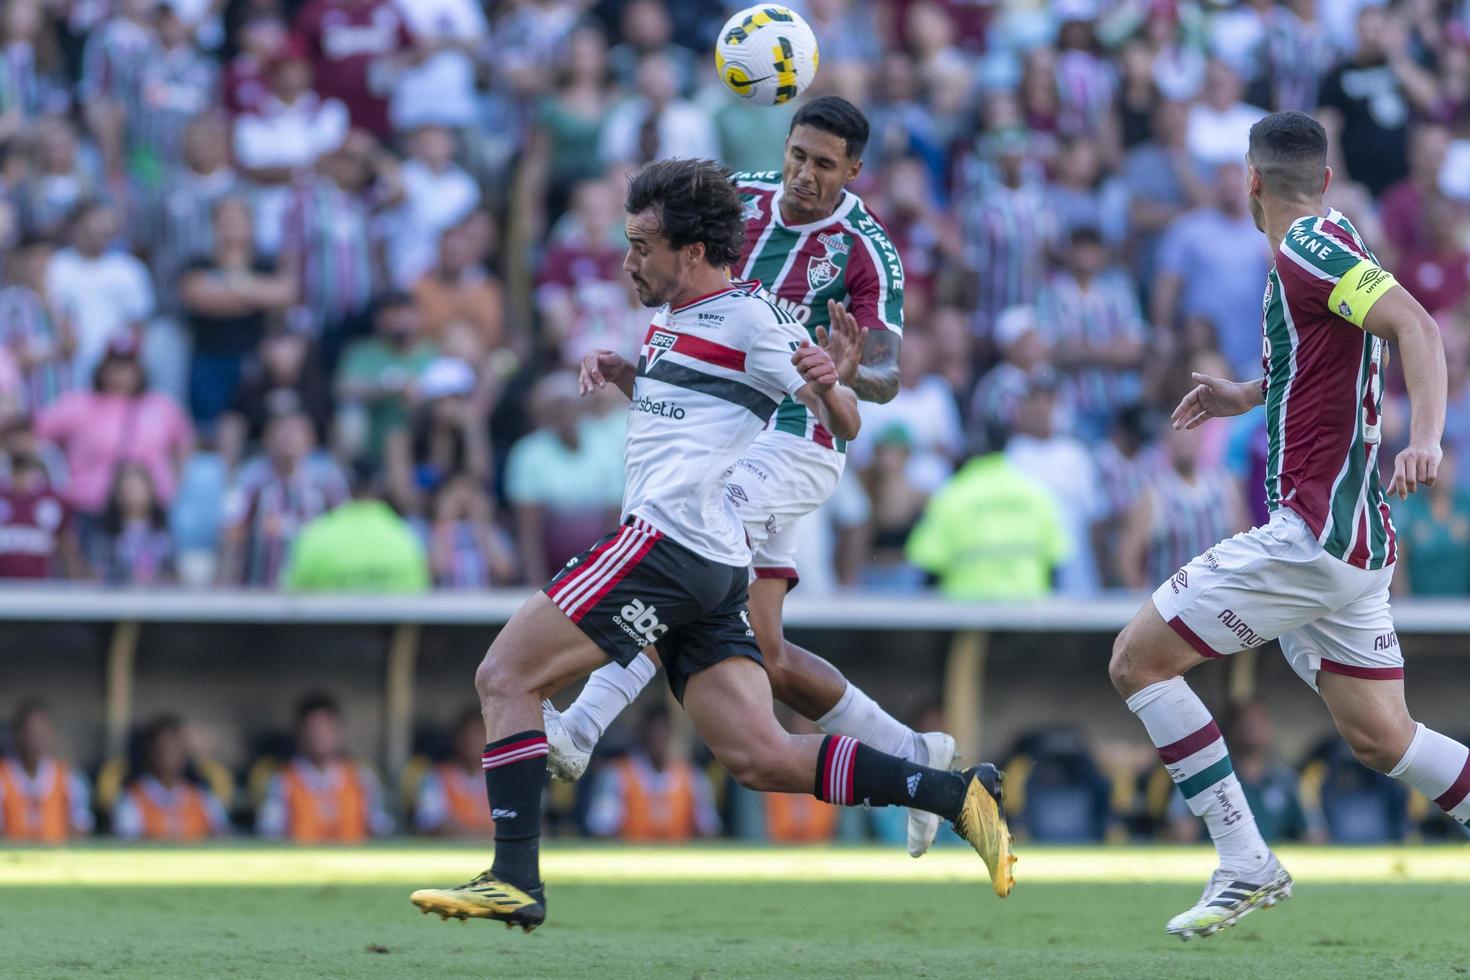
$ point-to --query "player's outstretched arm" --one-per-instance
(601, 368)
(1216, 398)
(1398, 317)
(834, 406)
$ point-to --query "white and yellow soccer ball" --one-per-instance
(766, 54)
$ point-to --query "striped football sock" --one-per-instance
(515, 769)
(1193, 751)
(1438, 767)
(850, 773)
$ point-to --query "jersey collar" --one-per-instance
(845, 204)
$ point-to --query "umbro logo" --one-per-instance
(736, 493)
(1371, 278)
(1180, 581)
(913, 783)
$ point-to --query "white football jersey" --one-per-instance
(711, 374)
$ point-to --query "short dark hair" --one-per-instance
(315, 702)
(696, 203)
(159, 725)
(1289, 150)
(393, 299)
(834, 114)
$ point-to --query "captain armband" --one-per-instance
(1359, 288)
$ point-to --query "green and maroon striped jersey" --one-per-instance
(846, 256)
(1324, 389)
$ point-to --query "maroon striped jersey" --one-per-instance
(846, 256)
(1324, 388)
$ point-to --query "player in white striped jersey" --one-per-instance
(828, 263)
(717, 361)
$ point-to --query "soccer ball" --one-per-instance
(766, 54)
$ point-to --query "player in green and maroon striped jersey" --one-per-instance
(1316, 576)
(825, 260)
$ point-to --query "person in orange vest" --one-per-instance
(42, 799)
(321, 796)
(163, 804)
(451, 799)
(649, 796)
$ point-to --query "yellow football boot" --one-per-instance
(982, 822)
(486, 897)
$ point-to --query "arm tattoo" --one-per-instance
(877, 377)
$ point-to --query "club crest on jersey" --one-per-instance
(660, 342)
(751, 211)
(820, 271)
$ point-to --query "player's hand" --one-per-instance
(844, 341)
(815, 367)
(601, 368)
(1212, 398)
(1415, 465)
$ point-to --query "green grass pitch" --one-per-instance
(720, 912)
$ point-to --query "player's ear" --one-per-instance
(853, 170)
(1326, 180)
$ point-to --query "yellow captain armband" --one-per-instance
(1359, 288)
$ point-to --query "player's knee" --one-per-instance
(1122, 666)
(495, 680)
(759, 767)
(1379, 748)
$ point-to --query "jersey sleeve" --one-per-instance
(875, 278)
(1330, 270)
(774, 337)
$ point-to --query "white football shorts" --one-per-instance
(780, 479)
(1276, 583)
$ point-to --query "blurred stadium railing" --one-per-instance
(219, 639)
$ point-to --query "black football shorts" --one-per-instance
(636, 588)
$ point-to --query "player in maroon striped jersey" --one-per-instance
(1316, 576)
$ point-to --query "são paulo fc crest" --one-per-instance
(660, 342)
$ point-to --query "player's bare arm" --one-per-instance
(833, 405)
(603, 367)
(1398, 317)
(876, 379)
(1216, 398)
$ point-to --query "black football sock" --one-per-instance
(850, 773)
(515, 770)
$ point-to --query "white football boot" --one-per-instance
(566, 760)
(1229, 898)
(922, 824)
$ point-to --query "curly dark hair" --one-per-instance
(695, 202)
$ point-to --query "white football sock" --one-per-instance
(858, 716)
(1438, 767)
(607, 692)
(1193, 751)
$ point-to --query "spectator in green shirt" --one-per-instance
(376, 376)
(990, 533)
(362, 546)
(1434, 536)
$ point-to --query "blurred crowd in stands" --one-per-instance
(651, 782)
(292, 289)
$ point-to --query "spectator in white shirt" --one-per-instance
(103, 291)
(655, 123)
(925, 407)
(1066, 469)
(1219, 124)
(438, 194)
(440, 88)
(292, 130)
